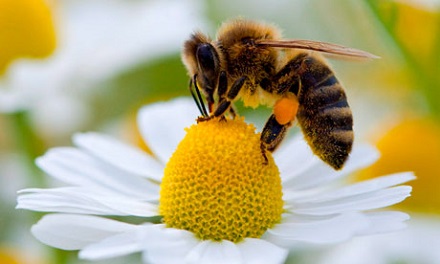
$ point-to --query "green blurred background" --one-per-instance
(68, 66)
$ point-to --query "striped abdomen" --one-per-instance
(324, 115)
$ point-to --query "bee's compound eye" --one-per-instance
(206, 57)
(209, 66)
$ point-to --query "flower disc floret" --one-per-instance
(218, 186)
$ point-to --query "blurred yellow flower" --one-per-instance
(414, 25)
(26, 30)
(412, 145)
(413, 28)
(9, 256)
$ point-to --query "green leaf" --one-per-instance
(158, 80)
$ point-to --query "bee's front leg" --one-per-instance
(225, 97)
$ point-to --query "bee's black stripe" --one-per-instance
(336, 104)
(338, 118)
(325, 96)
(328, 81)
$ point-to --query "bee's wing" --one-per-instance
(325, 47)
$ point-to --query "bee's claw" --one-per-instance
(203, 118)
(207, 118)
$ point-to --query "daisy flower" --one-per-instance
(216, 199)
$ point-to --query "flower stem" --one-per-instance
(423, 75)
(28, 145)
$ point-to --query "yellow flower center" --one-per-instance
(412, 145)
(217, 185)
(26, 30)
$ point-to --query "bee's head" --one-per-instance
(202, 59)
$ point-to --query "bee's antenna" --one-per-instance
(199, 96)
(197, 99)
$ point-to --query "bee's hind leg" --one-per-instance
(272, 135)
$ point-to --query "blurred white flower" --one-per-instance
(416, 244)
(96, 39)
(107, 177)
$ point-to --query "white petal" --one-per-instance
(118, 154)
(419, 243)
(166, 245)
(360, 188)
(214, 252)
(294, 158)
(385, 221)
(71, 232)
(162, 125)
(75, 167)
(321, 173)
(114, 246)
(332, 230)
(258, 251)
(82, 201)
(368, 201)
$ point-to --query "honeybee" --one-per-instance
(250, 61)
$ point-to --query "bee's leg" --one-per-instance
(221, 91)
(225, 102)
(285, 82)
(288, 78)
(272, 135)
(222, 85)
(275, 129)
(230, 96)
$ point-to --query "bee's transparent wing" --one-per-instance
(333, 49)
